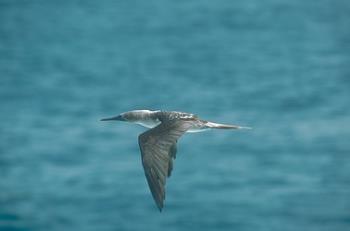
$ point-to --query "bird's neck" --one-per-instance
(148, 119)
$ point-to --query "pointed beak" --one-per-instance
(118, 117)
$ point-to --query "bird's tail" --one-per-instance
(225, 126)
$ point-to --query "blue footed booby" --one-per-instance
(158, 144)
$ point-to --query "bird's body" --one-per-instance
(158, 144)
(151, 119)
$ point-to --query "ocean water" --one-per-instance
(281, 67)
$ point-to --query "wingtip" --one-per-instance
(160, 208)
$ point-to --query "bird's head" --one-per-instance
(130, 116)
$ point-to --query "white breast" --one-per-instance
(148, 123)
(153, 123)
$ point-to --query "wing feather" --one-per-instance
(158, 148)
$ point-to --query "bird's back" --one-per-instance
(175, 115)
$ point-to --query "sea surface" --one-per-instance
(279, 66)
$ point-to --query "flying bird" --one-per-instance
(158, 144)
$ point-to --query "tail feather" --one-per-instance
(225, 126)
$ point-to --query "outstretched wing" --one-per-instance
(158, 147)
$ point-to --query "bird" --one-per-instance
(158, 145)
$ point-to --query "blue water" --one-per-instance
(282, 67)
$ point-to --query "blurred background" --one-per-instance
(279, 66)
